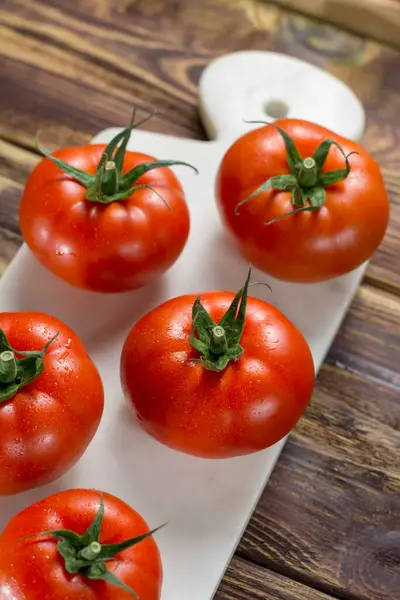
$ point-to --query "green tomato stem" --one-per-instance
(219, 343)
(109, 184)
(15, 374)
(8, 367)
(308, 173)
(91, 552)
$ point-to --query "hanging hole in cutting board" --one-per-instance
(276, 109)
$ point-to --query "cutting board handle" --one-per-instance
(255, 85)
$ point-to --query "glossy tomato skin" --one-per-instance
(46, 427)
(32, 569)
(106, 248)
(251, 405)
(309, 246)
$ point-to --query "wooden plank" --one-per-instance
(68, 111)
(16, 164)
(378, 19)
(325, 521)
(245, 581)
(368, 343)
(331, 511)
(69, 64)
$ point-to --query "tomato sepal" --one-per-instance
(293, 156)
(278, 182)
(109, 184)
(124, 195)
(316, 196)
(132, 176)
(17, 373)
(85, 555)
(100, 571)
(86, 179)
(307, 182)
(219, 344)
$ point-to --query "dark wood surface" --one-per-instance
(328, 523)
(379, 19)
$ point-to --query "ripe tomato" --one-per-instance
(104, 225)
(239, 387)
(51, 400)
(104, 552)
(340, 204)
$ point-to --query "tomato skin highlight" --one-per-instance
(249, 406)
(33, 569)
(47, 426)
(308, 246)
(103, 247)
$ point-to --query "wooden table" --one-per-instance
(328, 524)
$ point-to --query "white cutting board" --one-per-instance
(207, 503)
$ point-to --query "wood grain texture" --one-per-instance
(330, 515)
(378, 19)
(15, 166)
(328, 523)
(245, 581)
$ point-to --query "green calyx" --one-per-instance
(109, 184)
(306, 181)
(218, 344)
(84, 554)
(16, 373)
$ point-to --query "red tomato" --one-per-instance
(210, 402)
(339, 225)
(48, 419)
(33, 568)
(103, 244)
